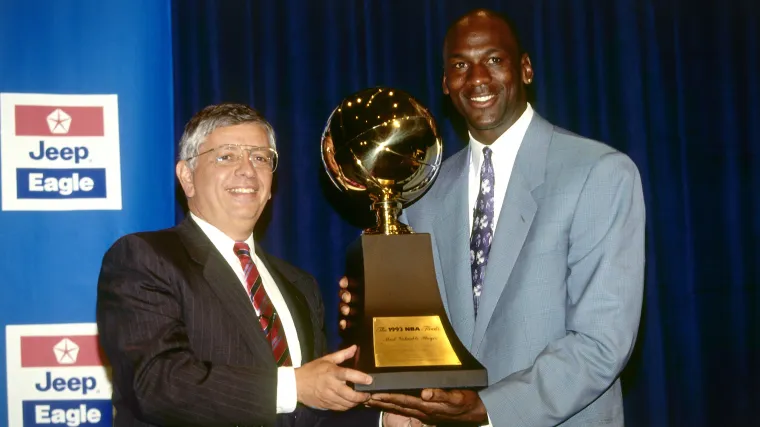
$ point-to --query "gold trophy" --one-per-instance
(382, 144)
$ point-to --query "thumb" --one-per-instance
(342, 355)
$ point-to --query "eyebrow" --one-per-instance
(490, 51)
(494, 50)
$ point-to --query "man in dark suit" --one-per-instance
(201, 326)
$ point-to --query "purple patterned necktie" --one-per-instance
(482, 227)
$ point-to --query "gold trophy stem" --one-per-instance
(387, 211)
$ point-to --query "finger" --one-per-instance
(438, 395)
(355, 397)
(332, 400)
(348, 309)
(394, 420)
(400, 400)
(417, 404)
(341, 356)
(353, 376)
(345, 296)
(396, 409)
(343, 282)
(346, 325)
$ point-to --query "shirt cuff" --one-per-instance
(287, 394)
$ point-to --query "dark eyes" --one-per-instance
(463, 65)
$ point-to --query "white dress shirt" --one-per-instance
(504, 151)
(287, 396)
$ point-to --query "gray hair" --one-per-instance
(212, 117)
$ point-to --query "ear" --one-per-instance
(445, 85)
(185, 177)
(527, 69)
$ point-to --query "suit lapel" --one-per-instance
(452, 237)
(515, 220)
(226, 285)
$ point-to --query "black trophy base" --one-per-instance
(394, 278)
(412, 382)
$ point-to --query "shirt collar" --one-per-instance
(220, 240)
(511, 136)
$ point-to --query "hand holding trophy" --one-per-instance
(383, 144)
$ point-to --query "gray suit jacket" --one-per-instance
(563, 289)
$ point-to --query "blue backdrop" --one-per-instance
(673, 83)
(50, 260)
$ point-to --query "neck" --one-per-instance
(235, 234)
(486, 136)
(489, 136)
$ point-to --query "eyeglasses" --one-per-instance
(232, 155)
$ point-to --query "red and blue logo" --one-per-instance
(60, 378)
(59, 152)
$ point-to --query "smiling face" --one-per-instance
(484, 74)
(231, 198)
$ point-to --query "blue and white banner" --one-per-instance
(87, 153)
(57, 375)
(59, 152)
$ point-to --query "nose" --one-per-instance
(479, 75)
(246, 166)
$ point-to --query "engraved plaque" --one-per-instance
(412, 341)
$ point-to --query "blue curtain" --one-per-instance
(672, 83)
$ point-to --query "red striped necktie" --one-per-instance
(268, 318)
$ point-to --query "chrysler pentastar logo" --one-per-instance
(66, 352)
(58, 121)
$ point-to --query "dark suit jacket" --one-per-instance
(184, 341)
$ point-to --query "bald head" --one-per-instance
(497, 20)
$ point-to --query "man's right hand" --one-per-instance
(345, 306)
(322, 384)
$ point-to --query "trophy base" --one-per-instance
(405, 339)
(412, 382)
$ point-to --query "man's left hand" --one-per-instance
(434, 405)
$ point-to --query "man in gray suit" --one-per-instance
(538, 239)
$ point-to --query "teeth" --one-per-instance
(483, 98)
(242, 190)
